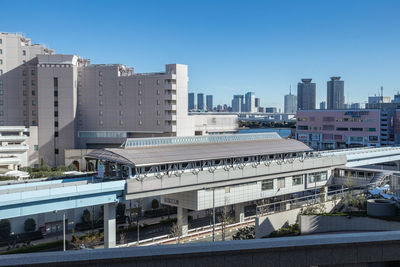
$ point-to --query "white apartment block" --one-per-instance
(78, 105)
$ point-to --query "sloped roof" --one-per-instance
(145, 156)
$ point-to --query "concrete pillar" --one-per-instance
(109, 225)
(182, 216)
(239, 212)
(325, 193)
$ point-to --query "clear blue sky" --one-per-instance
(230, 46)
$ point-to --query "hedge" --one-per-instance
(35, 248)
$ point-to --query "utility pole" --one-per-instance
(64, 245)
(213, 235)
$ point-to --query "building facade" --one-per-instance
(200, 101)
(209, 102)
(335, 93)
(334, 129)
(322, 105)
(250, 103)
(191, 101)
(290, 103)
(306, 91)
(81, 105)
(237, 103)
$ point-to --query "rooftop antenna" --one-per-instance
(290, 89)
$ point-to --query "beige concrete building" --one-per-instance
(78, 105)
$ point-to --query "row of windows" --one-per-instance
(121, 122)
(32, 72)
(296, 180)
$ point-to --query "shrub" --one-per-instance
(61, 168)
(245, 233)
(29, 225)
(72, 167)
(286, 231)
(5, 229)
(35, 248)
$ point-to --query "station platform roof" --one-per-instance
(169, 154)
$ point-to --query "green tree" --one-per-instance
(244, 233)
(5, 229)
(29, 225)
(154, 204)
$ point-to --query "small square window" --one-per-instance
(24, 73)
(33, 92)
(1, 81)
(36, 147)
(56, 124)
(56, 151)
(140, 82)
(24, 92)
(33, 103)
(1, 102)
(1, 113)
(56, 93)
(33, 112)
(56, 103)
(55, 113)
(158, 92)
(100, 122)
(158, 102)
(121, 92)
(1, 51)
(34, 123)
(100, 73)
(55, 134)
(100, 102)
(120, 83)
(24, 82)
(1, 61)
(100, 83)
(158, 82)
(25, 113)
(33, 82)
(121, 113)
(140, 122)
(32, 72)
(100, 113)
(101, 92)
(24, 52)
(1, 92)
(121, 122)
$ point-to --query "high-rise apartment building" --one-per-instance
(257, 103)
(81, 105)
(237, 103)
(250, 102)
(200, 101)
(322, 105)
(191, 101)
(306, 95)
(335, 93)
(209, 102)
(290, 103)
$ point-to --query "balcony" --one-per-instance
(170, 86)
(13, 138)
(14, 148)
(170, 107)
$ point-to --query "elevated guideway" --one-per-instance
(39, 197)
(367, 155)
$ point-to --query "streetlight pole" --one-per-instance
(55, 212)
(213, 235)
(64, 245)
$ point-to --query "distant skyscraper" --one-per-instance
(257, 102)
(250, 102)
(322, 105)
(335, 93)
(209, 102)
(290, 103)
(355, 106)
(237, 103)
(191, 101)
(200, 101)
(306, 94)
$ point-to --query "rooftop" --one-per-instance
(189, 152)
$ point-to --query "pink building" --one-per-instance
(332, 129)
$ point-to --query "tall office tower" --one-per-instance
(322, 105)
(306, 95)
(250, 104)
(335, 93)
(237, 103)
(355, 105)
(200, 101)
(191, 101)
(209, 102)
(290, 103)
(257, 103)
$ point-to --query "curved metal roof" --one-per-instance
(147, 156)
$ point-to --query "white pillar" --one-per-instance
(239, 212)
(183, 220)
(325, 193)
(109, 225)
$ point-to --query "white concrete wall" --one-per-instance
(265, 225)
(312, 224)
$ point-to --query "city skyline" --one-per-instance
(347, 43)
